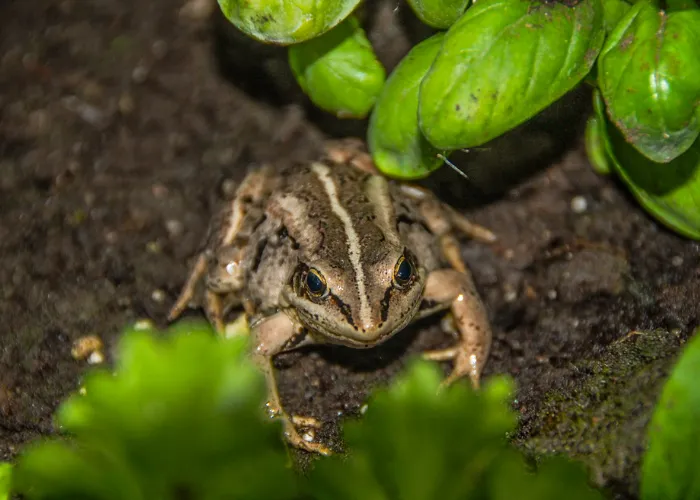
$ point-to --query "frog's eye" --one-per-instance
(403, 271)
(315, 283)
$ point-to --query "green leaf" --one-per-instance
(674, 5)
(439, 14)
(649, 75)
(501, 63)
(282, 22)
(182, 415)
(414, 443)
(339, 70)
(398, 147)
(596, 137)
(671, 465)
(5, 477)
(613, 10)
(595, 146)
(668, 191)
(556, 478)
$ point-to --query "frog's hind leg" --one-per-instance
(219, 263)
(465, 226)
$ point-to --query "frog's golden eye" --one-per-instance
(403, 271)
(315, 283)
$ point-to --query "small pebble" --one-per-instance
(309, 436)
(85, 346)
(38, 122)
(579, 204)
(510, 294)
(197, 10)
(111, 237)
(126, 104)
(552, 294)
(143, 324)
(139, 74)
(363, 409)
(228, 187)
(677, 261)
(87, 112)
(174, 227)
(159, 49)
(153, 247)
(96, 358)
(159, 191)
(158, 296)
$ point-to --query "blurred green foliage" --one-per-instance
(5, 478)
(182, 417)
(671, 468)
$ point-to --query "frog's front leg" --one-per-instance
(449, 288)
(271, 336)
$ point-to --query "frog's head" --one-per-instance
(358, 301)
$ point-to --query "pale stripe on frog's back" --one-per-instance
(353, 240)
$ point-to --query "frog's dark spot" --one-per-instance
(258, 254)
(295, 340)
(282, 233)
(427, 304)
(473, 97)
(344, 309)
(259, 222)
(457, 107)
(384, 304)
(406, 219)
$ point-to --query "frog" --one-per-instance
(333, 252)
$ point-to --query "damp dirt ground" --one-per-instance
(123, 123)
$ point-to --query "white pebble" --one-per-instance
(158, 296)
(139, 74)
(96, 358)
(309, 437)
(143, 324)
(579, 204)
(174, 227)
(677, 261)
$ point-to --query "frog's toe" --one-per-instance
(306, 441)
(441, 354)
(302, 421)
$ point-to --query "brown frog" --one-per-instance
(332, 252)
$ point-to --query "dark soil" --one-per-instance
(120, 123)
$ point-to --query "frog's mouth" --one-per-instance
(352, 336)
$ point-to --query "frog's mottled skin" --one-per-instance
(330, 252)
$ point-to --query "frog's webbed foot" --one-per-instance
(291, 425)
(271, 336)
(456, 290)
